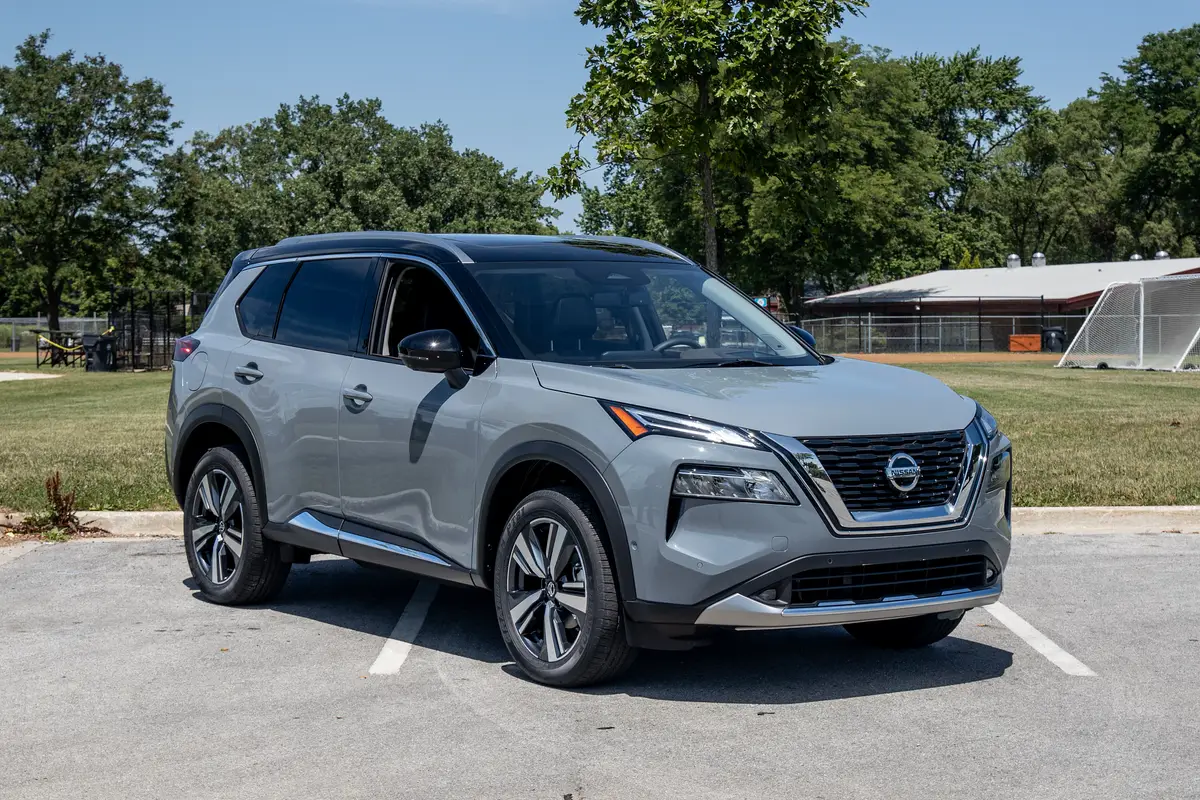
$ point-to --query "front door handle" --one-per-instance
(359, 396)
(249, 373)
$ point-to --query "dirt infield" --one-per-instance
(956, 358)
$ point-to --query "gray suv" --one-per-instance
(621, 447)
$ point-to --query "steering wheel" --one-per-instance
(678, 341)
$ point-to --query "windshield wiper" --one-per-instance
(613, 365)
(738, 362)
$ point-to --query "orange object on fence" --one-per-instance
(1025, 343)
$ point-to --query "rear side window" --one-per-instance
(324, 304)
(259, 306)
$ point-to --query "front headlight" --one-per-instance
(731, 483)
(639, 422)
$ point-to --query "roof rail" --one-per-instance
(428, 238)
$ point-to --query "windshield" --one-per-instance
(634, 314)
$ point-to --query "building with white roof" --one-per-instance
(1055, 289)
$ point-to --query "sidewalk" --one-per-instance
(1026, 521)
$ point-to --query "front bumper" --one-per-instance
(745, 613)
(748, 607)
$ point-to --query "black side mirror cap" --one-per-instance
(807, 337)
(435, 351)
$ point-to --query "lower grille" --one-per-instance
(856, 466)
(871, 583)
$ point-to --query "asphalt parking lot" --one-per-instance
(119, 682)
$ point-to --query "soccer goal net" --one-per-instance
(1151, 324)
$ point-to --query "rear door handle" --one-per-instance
(358, 395)
(248, 372)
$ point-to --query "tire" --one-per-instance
(904, 634)
(585, 646)
(249, 571)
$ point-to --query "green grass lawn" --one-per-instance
(1091, 437)
(1081, 437)
(103, 432)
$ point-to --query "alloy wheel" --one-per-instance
(218, 526)
(547, 589)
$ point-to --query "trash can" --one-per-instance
(101, 352)
(1054, 340)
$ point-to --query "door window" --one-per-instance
(416, 299)
(323, 306)
(259, 307)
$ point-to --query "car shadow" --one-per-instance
(759, 668)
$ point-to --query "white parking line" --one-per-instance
(396, 648)
(1038, 641)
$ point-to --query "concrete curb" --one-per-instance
(128, 524)
(1026, 521)
(1110, 519)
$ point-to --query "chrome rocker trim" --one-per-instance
(744, 613)
(808, 469)
(388, 547)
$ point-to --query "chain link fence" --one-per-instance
(16, 333)
(947, 333)
(144, 324)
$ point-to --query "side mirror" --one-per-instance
(808, 338)
(435, 351)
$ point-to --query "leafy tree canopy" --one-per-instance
(78, 144)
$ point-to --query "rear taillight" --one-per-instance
(185, 346)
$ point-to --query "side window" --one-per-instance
(259, 306)
(323, 306)
(416, 299)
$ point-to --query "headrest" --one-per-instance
(574, 318)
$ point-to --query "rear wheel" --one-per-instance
(555, 595)
(904, 634)
(230, 559)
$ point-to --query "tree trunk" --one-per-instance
(711, 251)
(709, 199)
(53, 301)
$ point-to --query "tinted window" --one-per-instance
(418, 300)
(259, 306)
(323, 306)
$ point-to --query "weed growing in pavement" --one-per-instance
(60, 521)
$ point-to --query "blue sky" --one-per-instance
(500, 72)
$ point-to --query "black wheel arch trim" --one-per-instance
(221, 415)
(581, 467)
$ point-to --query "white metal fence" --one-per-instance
(873, 333)
(15, 332)
(1150, 324)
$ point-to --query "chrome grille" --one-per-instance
(855, 465)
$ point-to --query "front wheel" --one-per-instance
(907, 633)
(555, 594)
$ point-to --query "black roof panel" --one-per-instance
(468, 247)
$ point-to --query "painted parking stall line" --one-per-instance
(1039, 641)
(396, 649)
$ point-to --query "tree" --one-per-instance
(78, 141)
(711, 83)
(317, 168)
(1160, 94)
(848, 200)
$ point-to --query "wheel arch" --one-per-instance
(207, 426)
(516, 464)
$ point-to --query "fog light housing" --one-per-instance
(1000, 471)
(731, 483)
